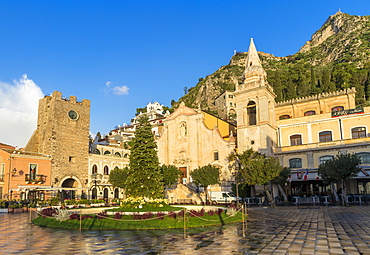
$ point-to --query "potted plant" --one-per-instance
(3, 208)
(10, 209)
(18, 208)
(115, 202)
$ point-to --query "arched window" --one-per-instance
(117, 154)
(106, 170)
(96, 151)
(364, 157)
(308, 113)
(358, 132)
(232, 114)
(107, 153)
(325, 158)
(295, 163)
(94, 169)
(125, 156)
(252, 113)
(325, 136)
(295, 140)
(337, 108)
(284, 117)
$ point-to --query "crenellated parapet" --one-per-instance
(57, 96)
(347, 91)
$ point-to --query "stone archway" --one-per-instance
(68, 193)
(70, 183)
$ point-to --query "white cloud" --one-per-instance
(123, 90)
(118, 90)
(18, 110)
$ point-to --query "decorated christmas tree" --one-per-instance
(144, 178)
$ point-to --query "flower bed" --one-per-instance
(147, 220)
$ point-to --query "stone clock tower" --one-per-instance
(63, 133)
(255, 106)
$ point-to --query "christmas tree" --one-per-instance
(144, 178)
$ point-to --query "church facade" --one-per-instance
(192, 138)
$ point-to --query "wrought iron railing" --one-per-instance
(35, 178)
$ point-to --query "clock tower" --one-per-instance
(63, 133)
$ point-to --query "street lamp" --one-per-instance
(95, 178)
(236, 166)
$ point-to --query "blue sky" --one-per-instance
(123, 54)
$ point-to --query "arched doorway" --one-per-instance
(116, 193)
(69, 183)
(94, 193)
(105, 194)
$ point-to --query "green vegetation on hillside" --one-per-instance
(340, 61)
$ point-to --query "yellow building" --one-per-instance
(304, 132)
(315, 129)
(102, 160)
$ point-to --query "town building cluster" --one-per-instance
(61, 159)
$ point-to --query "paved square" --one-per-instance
(316, 230)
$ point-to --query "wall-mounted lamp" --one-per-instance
(14, 171)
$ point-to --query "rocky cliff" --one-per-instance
(336, 57)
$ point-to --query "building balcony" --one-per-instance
(35, 178)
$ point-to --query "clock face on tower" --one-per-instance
(72, 114)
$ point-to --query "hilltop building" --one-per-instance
(226, 105)
(124, 133)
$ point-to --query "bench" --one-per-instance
(307, 201)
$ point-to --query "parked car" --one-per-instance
(223, 197)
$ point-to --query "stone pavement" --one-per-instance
(314, 230)
(282, 230)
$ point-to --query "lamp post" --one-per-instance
(236, 166)
(95, 178)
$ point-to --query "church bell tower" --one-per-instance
(255, 107)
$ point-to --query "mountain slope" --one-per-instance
(336, 57)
